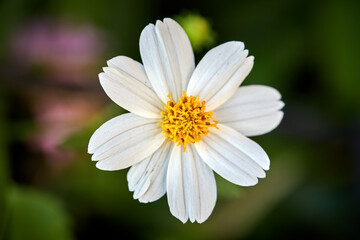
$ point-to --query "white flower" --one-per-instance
(170, 141)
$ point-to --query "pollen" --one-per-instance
(186, 121)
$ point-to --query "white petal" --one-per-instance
(114, 127)
(220, 73)
(233, 156)
(129, 137)
(130, 66)
(125, 82)
(167, 57)
(191, 186)
(252, 110)
(147, 179)
(124, 141)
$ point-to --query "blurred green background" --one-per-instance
(51, 102)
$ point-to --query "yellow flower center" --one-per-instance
(186, 121)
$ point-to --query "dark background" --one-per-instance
(51, 102)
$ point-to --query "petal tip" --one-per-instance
(240, 44)
(250, 58)
(158, 23)
(101, 75)
(183, 220)
(94, 158)
(105, 167)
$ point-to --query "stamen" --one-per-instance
(186, 121)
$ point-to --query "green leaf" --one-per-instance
(36, 215)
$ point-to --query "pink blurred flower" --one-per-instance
(66, 50)
(58, 115)
(67, 53)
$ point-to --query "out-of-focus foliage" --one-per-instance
(51, 102)
(3, 167)
(198, 30)
(36, 215)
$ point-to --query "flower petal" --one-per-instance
(252, 110)
(167, 57)
(130, 66)
(233, 156)
(124, 141)
(147, 179)
(125, 82)
(220, 73)
(191, 186)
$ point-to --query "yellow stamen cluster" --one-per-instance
(186, 121)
